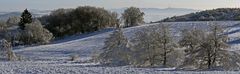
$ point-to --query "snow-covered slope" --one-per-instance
(54, 57)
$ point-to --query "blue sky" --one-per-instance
(16, 5)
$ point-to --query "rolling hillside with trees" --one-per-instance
(220, 14)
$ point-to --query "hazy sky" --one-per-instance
(16, 5)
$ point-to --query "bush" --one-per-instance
(6, 51)
(74, 57)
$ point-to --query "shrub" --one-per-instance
(74, 57)
(6, 51)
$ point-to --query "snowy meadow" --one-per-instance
(56, 57)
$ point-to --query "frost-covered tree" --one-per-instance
(166, 42)
(145, 49)
(215, 44)
(26, 18)
(35, 33)
(132, 16)
(152, 46)
(210, 49)
(116, 50)
(191, 39)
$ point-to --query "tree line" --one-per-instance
(154, 47)
(83, 19)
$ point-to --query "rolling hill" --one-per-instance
(54, 58)
(220, 14)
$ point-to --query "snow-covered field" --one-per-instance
(54, 58)
(47, 68)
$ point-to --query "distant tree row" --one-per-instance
(221, 14)
(84, 19)
(154, 47)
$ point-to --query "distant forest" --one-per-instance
(221, 14)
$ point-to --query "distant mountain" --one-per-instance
(220, 14)
(156, 14)
(36, 13)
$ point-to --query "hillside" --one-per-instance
(89, 43)
(221, 14)
(54, 58)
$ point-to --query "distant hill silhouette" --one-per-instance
(36, 13)
(220, 14)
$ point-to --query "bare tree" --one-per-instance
(191, 39)
(152, 45)
(166, 41)
(216, 42)
(205, 49)
(145, 48)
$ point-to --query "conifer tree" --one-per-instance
(26, 18)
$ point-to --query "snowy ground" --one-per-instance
(54, 58)
(45, 68)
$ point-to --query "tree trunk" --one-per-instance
(209, 59)
(165, 53)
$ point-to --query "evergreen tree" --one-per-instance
(26, 18)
